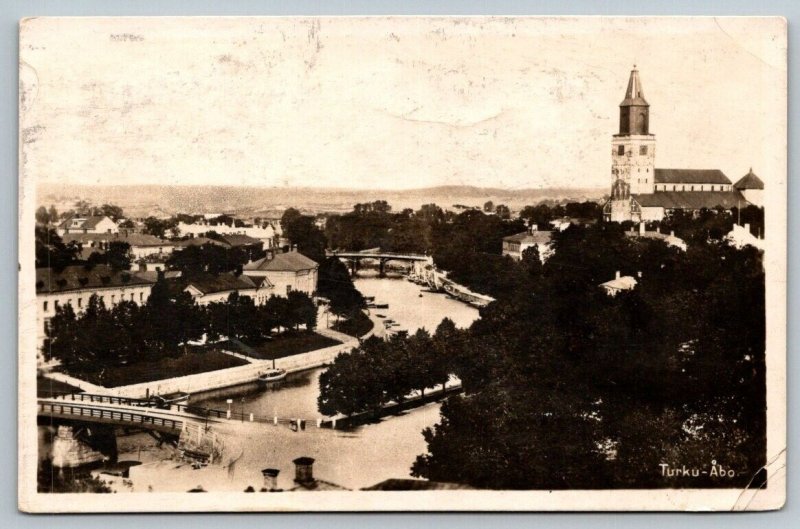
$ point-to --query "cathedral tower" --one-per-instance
(634, 148)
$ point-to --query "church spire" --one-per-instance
(634, 111)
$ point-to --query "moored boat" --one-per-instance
(272, 375)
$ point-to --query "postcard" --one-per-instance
(402, 264)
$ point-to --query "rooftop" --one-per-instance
(235, 239)
(534, 237)
(282, 262)
(81, 277)
(691, 199)
(690, 176)
(87, 222)
(749, 181)
(415, 484)
(210, 283)
(134, 239)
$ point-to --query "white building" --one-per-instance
(618, 284)
(515, 245)
(76, 284)
(286, 272)
(265, 232)
(740, 236)
(90, 224)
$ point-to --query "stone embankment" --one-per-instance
(223, 378)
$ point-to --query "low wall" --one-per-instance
(232, 376)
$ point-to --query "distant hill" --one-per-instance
(159, 200)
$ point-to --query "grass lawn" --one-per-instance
(357, 326)
(198, 361)
(290, 343)
(47, 387)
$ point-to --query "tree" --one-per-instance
(53, 214)
(503, 211)
(42, 216)
(117, 255)
(301, 310)
(160, 227)
(336, 284)
(112, 211)
(51, 251)
(488, 206)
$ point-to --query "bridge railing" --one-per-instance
(144, 403)
(79, 411)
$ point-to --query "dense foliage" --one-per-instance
(378, 371)
(567, 387)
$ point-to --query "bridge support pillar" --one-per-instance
(353, 267)
(382, 268)
(73, 448)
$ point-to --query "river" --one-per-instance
(361, 456)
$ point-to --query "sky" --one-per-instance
(392, 103)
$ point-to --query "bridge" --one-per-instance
(131, 413)
(377, 255)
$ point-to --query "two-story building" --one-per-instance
(75, 284)
(286, 272)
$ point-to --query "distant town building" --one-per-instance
(286, 272)
(266, 232)
(618, 284)
(75, 284)
(670, 238)
(740, 236)
(515, 245)
(88, 224)
(142, 244)
(639, 191)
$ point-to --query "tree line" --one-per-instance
(382, 371)
(102, 337)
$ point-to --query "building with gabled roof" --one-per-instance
(752, 188)
(640, 192)
(142, 244)
(515, 245)
(87, 224)
(286, 272)
(208, 288)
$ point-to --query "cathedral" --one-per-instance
(640, 192)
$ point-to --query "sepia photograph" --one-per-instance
(402, 263)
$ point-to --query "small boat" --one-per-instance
(380, 316)
(168, 399)
(272, 375)
(381, 305)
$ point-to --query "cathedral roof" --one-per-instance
(690, 176)
(691, 199)
(749, 181)
(634, 95)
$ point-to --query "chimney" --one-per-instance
(294, 247)
(304, 470)
(618, 275)
(270, 479)
(747, 227)
(641, 228)
(672, 233)
(639, 274)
